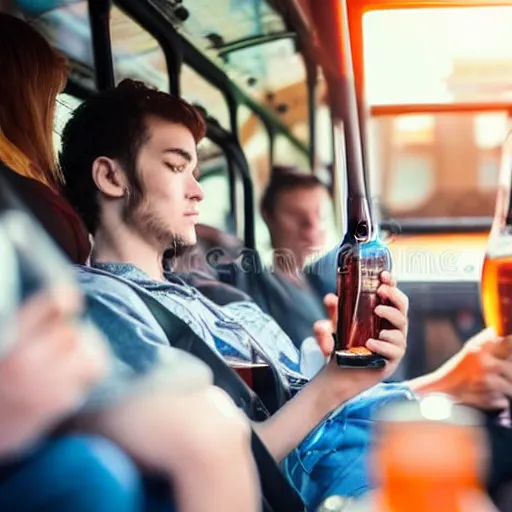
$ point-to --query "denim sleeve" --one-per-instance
(134, 335)
(143, 358)
(322, 272)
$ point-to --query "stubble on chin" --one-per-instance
(155, 230)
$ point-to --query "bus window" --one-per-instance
(285, 153)
(438, 165)
(136, 53)
(196, 90)
(324, 146)
(256, 145)
(275, 75)
(215, 209)
(445, 55)
(67, 28)
(255, 142)
(65, 106)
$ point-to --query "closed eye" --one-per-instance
(175, 167)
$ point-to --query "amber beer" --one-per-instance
(360, 264)
(430, 456)
(496, 284)
(497, 294)
(255, 375)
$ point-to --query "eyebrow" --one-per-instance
(181, 152)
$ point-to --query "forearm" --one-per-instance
(22, 429)
(434, 382)
(221, 483)
(289, 426)
(201, 474)
(200, 440)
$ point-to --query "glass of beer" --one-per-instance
(496, 283)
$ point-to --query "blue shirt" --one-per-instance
(322, 272)
(238, 331)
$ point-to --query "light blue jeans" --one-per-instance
(333, 459)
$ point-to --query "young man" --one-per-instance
(130, 164)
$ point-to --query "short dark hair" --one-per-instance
(284, 179)
(113, 123)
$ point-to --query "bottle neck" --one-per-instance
(360, 223)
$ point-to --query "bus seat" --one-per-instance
(212, 238)
(225, 271)
(213, 247)
(53, 212)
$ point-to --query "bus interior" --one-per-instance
(438, 101)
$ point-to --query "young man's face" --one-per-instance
(297, 221)
(168, 170)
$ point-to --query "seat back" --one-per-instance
(225, 271)
(52, 212)
(213, 247)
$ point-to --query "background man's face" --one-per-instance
(297, 223)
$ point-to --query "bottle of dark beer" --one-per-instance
(361, 259)
(362, 255)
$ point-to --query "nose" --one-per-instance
(312, 229)
(308, 223)
(311, 224)
(195, 191)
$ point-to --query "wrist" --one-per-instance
(338, 385)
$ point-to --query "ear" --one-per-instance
(109, 177)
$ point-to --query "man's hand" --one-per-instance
(333, 386)
(479, 375)
(391, 342)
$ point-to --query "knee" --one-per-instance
(98, 454)
(98, 465)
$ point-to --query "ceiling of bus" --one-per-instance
(272, 73)
(234, 20)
